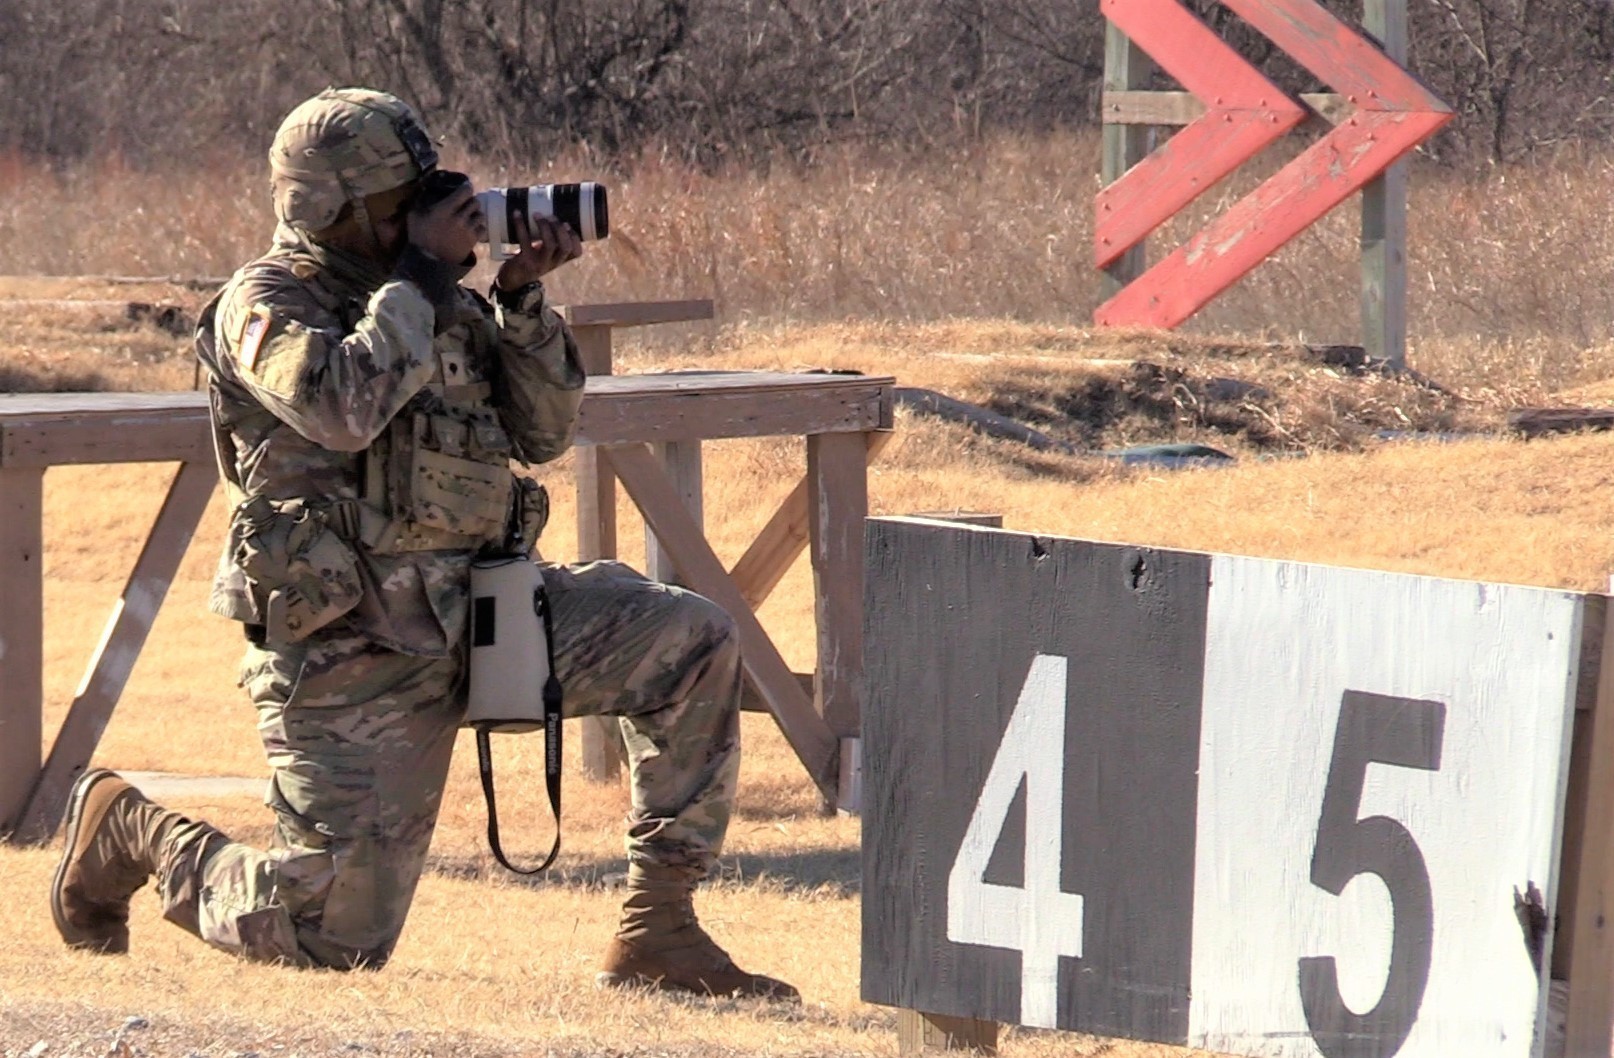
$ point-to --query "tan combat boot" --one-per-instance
(113, 840)
(660, 944)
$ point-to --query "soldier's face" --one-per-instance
(389, 215)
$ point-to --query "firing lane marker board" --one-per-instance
(1299, 811)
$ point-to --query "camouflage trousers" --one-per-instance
(359, 739)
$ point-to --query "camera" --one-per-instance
(582, 207)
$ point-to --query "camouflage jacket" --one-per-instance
(365, 432)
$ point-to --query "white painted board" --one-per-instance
(1462, 696)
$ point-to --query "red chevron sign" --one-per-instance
(1393, 114)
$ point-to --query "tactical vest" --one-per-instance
(437, 479)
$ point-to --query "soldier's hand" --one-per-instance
(450, 229)
(545, 245)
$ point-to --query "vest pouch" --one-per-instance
(301, 573)
(530, 516)
(449, 487)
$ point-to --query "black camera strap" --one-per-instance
(552, 759)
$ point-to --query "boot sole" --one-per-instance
(75, 815)
(606, 979)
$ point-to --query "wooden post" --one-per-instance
(121, 644)
(22, 647)
(682, 461)
(918, 1032)
(1384, 217)
(596, 538)
(1590, 1030)
(837, 504)
(1126, 68)
(662, 506)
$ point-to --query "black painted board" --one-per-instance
(954, 617)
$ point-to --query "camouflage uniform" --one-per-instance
(365, 423)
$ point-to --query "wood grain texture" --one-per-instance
(50, 429)
(1126, 66)
(60, 428)
(638, 313)
(1323, 176)
(120, 646)
(692, 406)
(838, 502)
(784, 537)
(681, 462)
(663, 509)
(1397, 852)
(1384, 217)
(599, 737)
(1593, 626)
(1245, 112)
(1325, 109)
(955, 617)
(918, 1033)
(1591, 964)
(1394, 113)
(21, 639)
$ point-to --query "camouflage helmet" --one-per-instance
(340, 146)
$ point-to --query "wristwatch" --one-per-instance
(522, 299)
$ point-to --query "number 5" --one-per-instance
(1406, 733)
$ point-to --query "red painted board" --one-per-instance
(1323, 176)
(1245, 113)
(1338, 54)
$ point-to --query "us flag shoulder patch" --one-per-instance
(252, 336)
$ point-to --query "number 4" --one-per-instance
(1040, 921)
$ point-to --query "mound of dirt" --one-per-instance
(1254, 398)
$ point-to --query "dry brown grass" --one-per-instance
(490, 966)
(1508, 266)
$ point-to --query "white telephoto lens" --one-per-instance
(500, 237)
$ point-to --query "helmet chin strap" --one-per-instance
(361, 214)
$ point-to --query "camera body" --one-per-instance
(583, 207)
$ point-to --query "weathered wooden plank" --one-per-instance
(120, 646)
(1462, 763)
(663, 509)
(751, 700)
(783, 539)
(90, 405)
(687, 383)
(52, 429)
(1394, 113)
(1246, 112)
(599, 737)
(660, 416)
(21, 637)
(838, 502)
(133, 436)
(1092, 655)
(639, 313)
(1340, 56)
(1323, 176)
(1541, 422)
(1593, 626)
(1324, 109)
(1126, 66)
(918, 1032)
(681, 461)
(1590, 1030)
(1384, 217)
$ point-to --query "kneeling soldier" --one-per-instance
(366, 408)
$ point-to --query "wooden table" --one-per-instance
(622, 418)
